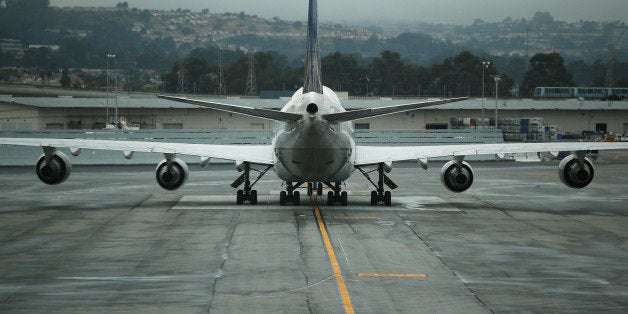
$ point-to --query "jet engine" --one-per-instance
(171, 175)
(457, 176)
(53, 169)
(575, 174)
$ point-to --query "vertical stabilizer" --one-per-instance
(312, 81)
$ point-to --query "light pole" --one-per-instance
(485, 65)
(116, 93)
(109, 56)
(497, 78)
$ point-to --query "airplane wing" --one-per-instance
(373, 112)
(249, 111)
(368, 155)
(258, 154)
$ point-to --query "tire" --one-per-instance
(254, 197)
(240, 197)
(330, 198)
(282, 198)
(373, 198)
(296, 198)
(387, 198)
(319, 189)
(343, 198)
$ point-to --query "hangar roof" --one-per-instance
(151, 102)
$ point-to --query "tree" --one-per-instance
(341, 71)
(24, 18)
(388, 73)
(462, 74)
(546, 70)
(65, 80)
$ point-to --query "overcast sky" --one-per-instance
(439, 11)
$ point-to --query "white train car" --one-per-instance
(603, 93)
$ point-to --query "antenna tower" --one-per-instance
(612, 53)
(251, 80)
(221, 89)
(182, 77)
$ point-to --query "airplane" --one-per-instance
(313, 144)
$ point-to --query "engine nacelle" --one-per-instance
(573, 174)
(55, 169)
(173, 175)
(457, 176)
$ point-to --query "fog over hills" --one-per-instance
(377, 11)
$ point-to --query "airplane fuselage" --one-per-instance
(313, 149)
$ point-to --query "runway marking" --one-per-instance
(391, 275)
(346, 300)
(355, 217)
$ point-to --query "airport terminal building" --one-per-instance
(570, 116)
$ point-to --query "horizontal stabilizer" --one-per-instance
(374, 112)
(249, 111)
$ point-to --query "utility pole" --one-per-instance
(109, 56)
(251, 80)
(485, 65)
(497, 78)
(115, 74)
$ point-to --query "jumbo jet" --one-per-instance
(313, 144)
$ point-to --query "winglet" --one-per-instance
(313, 81)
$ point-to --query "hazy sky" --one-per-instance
(440, 11)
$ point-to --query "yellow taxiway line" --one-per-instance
(342, 288)
(391, 275)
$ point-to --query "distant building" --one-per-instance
(149, 112)
(11, 45)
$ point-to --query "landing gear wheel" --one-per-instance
(309, 188)
(240, 197)
(247, 194)
(253, 197)
(319, 189)
(330, 198)
(387, 198)
(343, 198)
(296, 198)
(373, 198)
(283, 198)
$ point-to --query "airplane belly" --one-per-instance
(317, 155)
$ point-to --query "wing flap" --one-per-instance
(259, 154)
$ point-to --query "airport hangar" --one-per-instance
(148, 112)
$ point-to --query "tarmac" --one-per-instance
(110, 240)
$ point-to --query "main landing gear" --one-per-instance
(290, 195)
(247, 194)
(379, 195)
(336, 195)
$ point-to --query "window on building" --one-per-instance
(54, 126)
(173, 126)
(436, 126)
(362, 126)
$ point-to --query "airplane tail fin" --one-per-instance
(312, 82)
